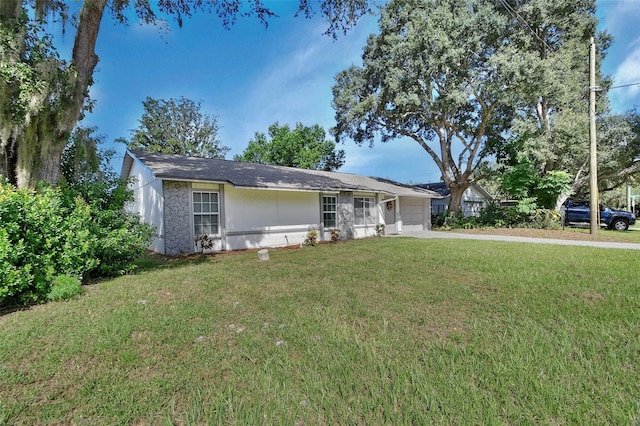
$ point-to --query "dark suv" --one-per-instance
(576, 211)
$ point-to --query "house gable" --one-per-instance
(473, 200)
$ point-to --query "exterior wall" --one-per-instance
(177, 218)
(345, 215)
(256, 218)
(415, 214)
(267, 218)
(148, 203)
(472, 202)
(439, 205)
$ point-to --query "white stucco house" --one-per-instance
(245, 205)
(474, 199)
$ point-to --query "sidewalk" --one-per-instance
(462, 236)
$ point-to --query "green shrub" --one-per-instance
(546, 219)
(14, 277)
(120, 240)
(204, 243)
(524, 214)
(454, 219)
(64, 287)
(494, 215)
(120, 236)
(43, 234)
(51, 232)
(312, 238)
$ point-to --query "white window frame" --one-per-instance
(212, 210)
(325, 211)
(360, 216)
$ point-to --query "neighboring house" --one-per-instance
(245, 205)
(474, 199)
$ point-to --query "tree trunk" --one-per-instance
(10, 11)
(41, 137)
(560, 201)
(457, 190)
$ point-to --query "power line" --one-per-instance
(625, 85)
(523, 22)
(514, 14)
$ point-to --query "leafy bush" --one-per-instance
(312, 238)
(120, 239)
(450, 219)
(204, 243)
(64, 287)
(43, 234)
(524, 181)
(51, 232)
(494, 215)
(120, 236)
(546, 219)
(78, 229)
(525, 214)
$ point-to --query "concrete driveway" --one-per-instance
(463, 236)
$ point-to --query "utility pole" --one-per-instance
(593, 163)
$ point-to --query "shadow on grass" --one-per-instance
(153, 261)
(149, 262)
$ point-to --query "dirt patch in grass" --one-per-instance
(588, 295)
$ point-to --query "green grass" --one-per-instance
(377, 331)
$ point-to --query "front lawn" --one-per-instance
(377, 331)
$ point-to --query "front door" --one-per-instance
(390, 217)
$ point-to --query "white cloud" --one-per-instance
(618, 14)
(296, 85)
(619, 18)
(628, 72)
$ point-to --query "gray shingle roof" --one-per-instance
(249, 175)
(442, 189)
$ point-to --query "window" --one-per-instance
(206, 212)
(329, 209)
(364, 211)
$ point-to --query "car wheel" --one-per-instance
(619, 225)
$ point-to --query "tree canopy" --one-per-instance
(550, 133)
(469, 79)
(303, 147)
(42, 96)
(177, 126)
(435, 74)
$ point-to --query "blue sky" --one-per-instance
(251, 76)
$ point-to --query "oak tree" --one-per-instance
(42, 96)
(303, 147)
(550, 50)
(434, 74)
(177, 126)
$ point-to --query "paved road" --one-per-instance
(463, 236)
